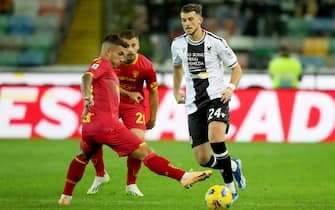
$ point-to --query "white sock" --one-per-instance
(67, 197)
(231, 187)
(186, 174)
(233, 165)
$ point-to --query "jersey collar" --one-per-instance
(190, 41)
(135, 60)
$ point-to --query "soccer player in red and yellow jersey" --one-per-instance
(133, 73)
(101, 125)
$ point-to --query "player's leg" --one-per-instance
(201, 130)
(133, 117)
(218, 124)
(102, 176)
(162, 166)
(76, 170)
(221, 154)
(198, 129)
(134, 166)
(124, 142)
(203, 155)
(218, 127)
(98, 163)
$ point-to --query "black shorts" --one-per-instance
(199, 120)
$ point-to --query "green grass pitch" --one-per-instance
(279, 176)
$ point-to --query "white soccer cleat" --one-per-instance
(97, 183)
(190, 178)
(65, 200)
(133, 190)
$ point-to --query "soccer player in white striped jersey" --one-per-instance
(199, 56)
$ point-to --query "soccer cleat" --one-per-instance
(133, 190)
(65, 200)
(235, 197)
(190, 178)
(97, 183)
(239, 178)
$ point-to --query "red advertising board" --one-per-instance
(53, 112)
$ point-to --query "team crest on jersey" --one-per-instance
(209, 49)
(135, 73)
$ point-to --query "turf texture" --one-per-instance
(279, 176)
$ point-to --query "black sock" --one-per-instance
(212, 163)
(223, 161)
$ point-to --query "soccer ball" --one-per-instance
(218, 197)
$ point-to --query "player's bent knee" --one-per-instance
(211, 163)
(203, 163)
(84, 156)
(141, 152)
(203, 160)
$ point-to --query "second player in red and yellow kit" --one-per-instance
(132, 78)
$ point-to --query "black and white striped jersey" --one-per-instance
(203, 63)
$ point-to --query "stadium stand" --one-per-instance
(256, 28)
(54, 31)
(84, 35)
(8, 58)
(31, 32)
(26, 8)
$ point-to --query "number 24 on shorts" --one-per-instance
(215, 113)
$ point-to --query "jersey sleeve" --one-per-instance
(151, 77)
(96, 69)
(175, 57)
(226, 54)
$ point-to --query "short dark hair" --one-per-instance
(128, 34)
(197, 8)
(284, 49)
(115, 39)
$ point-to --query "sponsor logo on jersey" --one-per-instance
(95, 66)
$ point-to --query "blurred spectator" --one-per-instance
(326, 8)
(140, 22)
(307, 9)
(212, 24)
(6, 7)
(285, 70)
(251, 23)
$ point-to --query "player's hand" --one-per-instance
(150, 124)
(84, 113)
(180, 97)
(226, 95)
(87, 103)
(136, 96)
